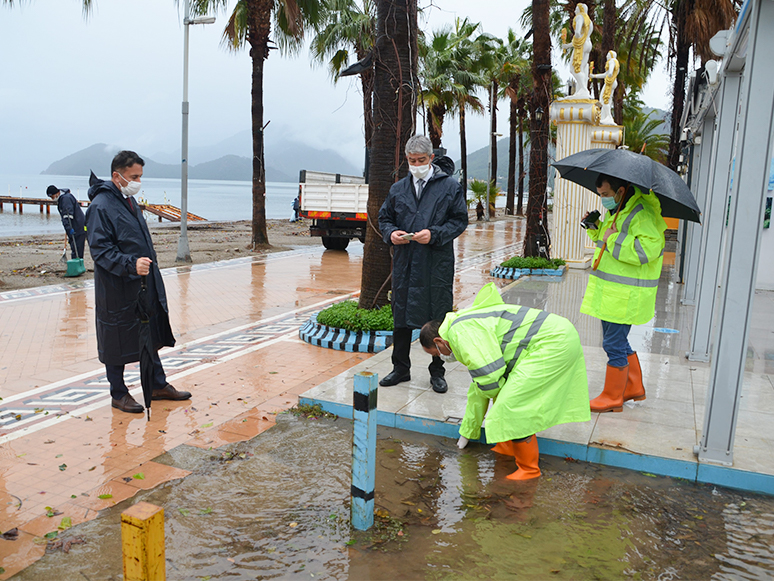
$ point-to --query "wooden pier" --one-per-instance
(163, 211)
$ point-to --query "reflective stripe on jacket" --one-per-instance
(529, 360)
(623, 288)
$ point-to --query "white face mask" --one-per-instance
(131, 188)
(447, 358)
(419, 171)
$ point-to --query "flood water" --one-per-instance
(277, 507)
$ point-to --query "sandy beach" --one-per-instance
(34, 260)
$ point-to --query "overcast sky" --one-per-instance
(67, 82)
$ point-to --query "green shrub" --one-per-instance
(533, 262)
(347, 315)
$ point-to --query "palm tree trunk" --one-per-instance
(258, 14)
(436, 114)
(682, 51)
(519, 202)
(463, 149)
(395, 73)
(512, 123)
(367, 82)
(536, 234)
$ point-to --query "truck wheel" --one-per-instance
(332, 243)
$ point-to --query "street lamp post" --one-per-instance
(183, 252)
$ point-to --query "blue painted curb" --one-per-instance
(692, 471)
(339, 339)
(514, 273)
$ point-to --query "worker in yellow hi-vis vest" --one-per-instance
(622, 286)
(528, 361)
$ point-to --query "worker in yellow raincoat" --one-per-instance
(528, 361)
(623, 281)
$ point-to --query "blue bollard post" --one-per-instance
(364, 450)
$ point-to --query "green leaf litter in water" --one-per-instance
(184, 511)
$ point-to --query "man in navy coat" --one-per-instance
(122, 250)
(422, 215)
(72, 218)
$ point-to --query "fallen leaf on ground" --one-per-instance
(105, 496)
(139, 476)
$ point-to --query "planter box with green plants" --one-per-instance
(517, 266)
(345, 327)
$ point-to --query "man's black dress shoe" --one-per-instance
(127, 404)
(393, 378)
(439, 384)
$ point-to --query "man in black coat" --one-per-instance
(422, 215)
(72, 218)
(122, 250)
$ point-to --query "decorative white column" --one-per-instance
(574, 119)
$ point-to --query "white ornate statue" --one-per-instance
(581, 47)
(610, 75)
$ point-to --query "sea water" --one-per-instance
(210, 199)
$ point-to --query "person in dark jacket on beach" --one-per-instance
(122, 250)
(422, 215)
(72, 218)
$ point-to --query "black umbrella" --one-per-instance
(146, 343)
(676, 199)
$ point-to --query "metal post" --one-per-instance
(492, 137)
(714, 220)
(753, 158)
(183, 251)
(701, 174)
(142, 540)
(364, 450)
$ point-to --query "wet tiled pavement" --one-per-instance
(66, 453)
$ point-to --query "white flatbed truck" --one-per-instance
(337, 205)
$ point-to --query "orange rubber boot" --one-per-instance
(634, 388)
(612, 397)
(504, 448)
(526, 456)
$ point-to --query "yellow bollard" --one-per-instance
(142, 537)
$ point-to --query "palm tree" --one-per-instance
(436, 75)
(640, 131)
(348, 27)
(691, 25)
(491, 55)
(250, 25)
(395, 79)
(467, 79)
(515, 76)
(536, 236)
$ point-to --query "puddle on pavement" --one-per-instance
(277, 507)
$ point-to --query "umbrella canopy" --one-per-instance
(146, 343)
(676, 199)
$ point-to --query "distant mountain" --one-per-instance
(283, 162)
(286, 156)
(232, 167)
(478, 164)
